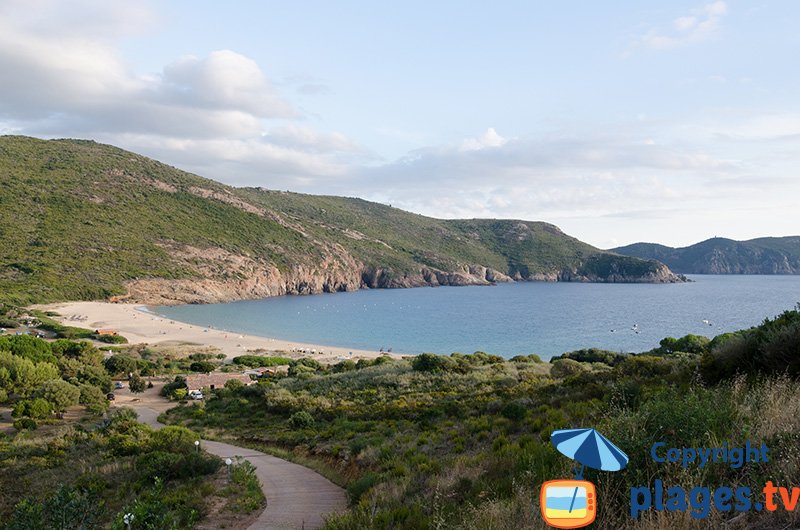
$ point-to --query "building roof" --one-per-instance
(214, 380)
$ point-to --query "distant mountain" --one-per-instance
(81, 220)
(766, 255)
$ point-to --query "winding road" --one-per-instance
(297, 497)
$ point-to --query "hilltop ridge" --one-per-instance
(82, 220)
(719, 255)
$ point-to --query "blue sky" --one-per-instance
(618, 121)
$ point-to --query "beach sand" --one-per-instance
(133, 322)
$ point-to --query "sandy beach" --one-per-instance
(135, 323)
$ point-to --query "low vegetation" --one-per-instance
(68, 463)
(463, 441)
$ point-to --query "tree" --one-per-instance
(137, 384)
(22, 376)
(202, 366)
(60, 394)
(121, 364)
(93, 398)
(233, 385)
(38, 408)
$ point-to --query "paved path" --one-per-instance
(297, 497)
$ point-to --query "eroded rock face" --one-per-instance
(222, 276)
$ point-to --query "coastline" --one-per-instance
(141, 326)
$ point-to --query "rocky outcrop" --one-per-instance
(225, 277)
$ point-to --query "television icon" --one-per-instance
(568, 503)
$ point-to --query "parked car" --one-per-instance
(196, 394)
(110, 396)
(118, 385)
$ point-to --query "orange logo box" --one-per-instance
(568, 503)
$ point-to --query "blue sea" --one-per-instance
(507, 319)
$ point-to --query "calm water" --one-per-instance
(507, 319)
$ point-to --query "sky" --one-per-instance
(623, 121)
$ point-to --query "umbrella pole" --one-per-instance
(578, 472)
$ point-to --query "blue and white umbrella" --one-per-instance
(589, 448)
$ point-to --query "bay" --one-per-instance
(507, 319)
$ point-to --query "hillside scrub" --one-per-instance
(86, 221)
(463, 441)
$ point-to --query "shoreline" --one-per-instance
(140, 325)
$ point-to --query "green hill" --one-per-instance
(81, 220)
(766, 255)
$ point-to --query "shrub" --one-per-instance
(24, 423)
(120, 364)
(67, 508)
(298, 369)
(514, 411)
(170, 465)
(593, 355)
(174, 439)
(92, 398)
(243, 475)
(151, 511)
(169, 390)
(234, 385)
(137, 384)
(38, 408)
(566, 367)
(256, 361)
(6, 322)
(301, 420)
(430, 362)
(112, 339)
(343, 366)
(203, 366)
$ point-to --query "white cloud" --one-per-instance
(488, 139)
(700, 25)
(64, 76)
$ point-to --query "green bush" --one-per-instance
(92, 398)
(593, 355)
(112, 339)
(121, 364)
(66, 509)
(514, 411)
(173, 439)
(38, 408)
(24, 424)
(258, 361)
(771, 348)
(6, 322)
(343, 366)
(60, 394)
(203, 366)
(566, 368)
(359, 487)
(234, 385)
(170, 465)
(137, 384)
(301, 420)
(430, 362)
(169, 389)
